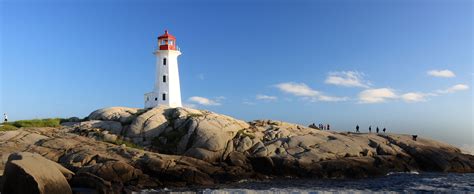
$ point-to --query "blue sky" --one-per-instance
(404, 65)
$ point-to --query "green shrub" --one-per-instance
(37, 123)
(8, 127)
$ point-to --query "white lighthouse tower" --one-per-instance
(167, 89)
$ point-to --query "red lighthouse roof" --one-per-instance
(167, 35)
(167, 41)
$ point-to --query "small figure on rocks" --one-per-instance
(313, 126)
(377, 129)
(5, 117)
(384, 129)
(328, 127)
(414, 137)
(357, 128)
(370, 129)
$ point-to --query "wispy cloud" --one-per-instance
(384, 94)
(378, 95)
(330, 98)
(441, 73)
(415, 97)
(452, 89)
(204, 101)
(297, 89)
(302, 90)
(347, 79)
(265, 97)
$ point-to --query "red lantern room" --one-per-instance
(167, 41)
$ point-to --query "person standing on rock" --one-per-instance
(328, 127)
(370, 129)
(384, 129)
(357, 128)
(377, 129)
(5, 117)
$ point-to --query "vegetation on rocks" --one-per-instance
(7, 127)
(126, 143)
(51, 122)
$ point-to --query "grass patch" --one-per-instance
(127, 143)
(194, 115)
(7, 127)
(36, 123)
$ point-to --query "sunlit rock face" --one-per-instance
(197, 133)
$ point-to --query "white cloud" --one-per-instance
(204, 101)
(455, 88)
(441, 73)
(302, 90)
(297, 89)
(265, 97)
(414, 97)
(332, 98)
(376, 95)
(347, 79)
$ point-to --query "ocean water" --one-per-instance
(391, 183)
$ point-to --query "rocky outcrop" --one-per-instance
(181, 147)
(31, 173)
(212, 137)
(120, 114)
(197, 133)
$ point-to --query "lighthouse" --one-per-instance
(166, 90)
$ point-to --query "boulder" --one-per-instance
(111, 126)
(92, 182)
(148, 125)
(121, 114)
(31, 173)
(209, 139)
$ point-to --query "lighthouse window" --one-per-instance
(164, 97)
(164, 61)
(156, 99)
(164, 78)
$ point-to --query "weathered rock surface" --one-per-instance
(196, 133)
(120, 114)
(181, 146)
(27, 173)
